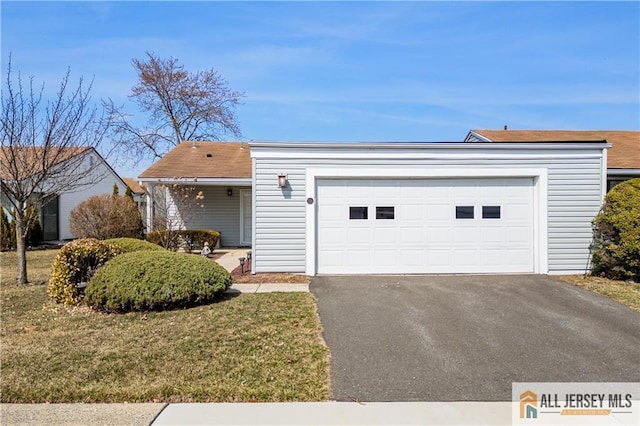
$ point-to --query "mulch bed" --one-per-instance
(247, 277)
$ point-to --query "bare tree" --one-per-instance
(46, 148)
(181, 106)
(175, 207)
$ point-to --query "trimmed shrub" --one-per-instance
(127, 245)
(106, 216)
(145, 281)
(76, 263)
(616, 233)
(185, 239)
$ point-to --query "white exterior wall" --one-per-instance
(219, 212)
(69, 200)
(572, 195)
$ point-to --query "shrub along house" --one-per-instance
(221, 171)
(382, 208)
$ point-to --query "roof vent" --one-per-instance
(505, 127)
(209, 155)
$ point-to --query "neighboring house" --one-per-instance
(395, 208)
(139, 197)
(54, 215)
(221, 171)
(623, 159)
(387, 208)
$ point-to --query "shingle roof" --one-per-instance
(623, 154)
(205, 160)
(27, 161)
(134, 185)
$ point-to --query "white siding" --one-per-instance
(574, 196)
(69, 200)
(220, 213)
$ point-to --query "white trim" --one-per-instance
(604, 175)
(540, 175)
(243, 238)
(253, 218)
(420, 155)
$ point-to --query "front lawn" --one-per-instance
(627, 293)
(257, 347)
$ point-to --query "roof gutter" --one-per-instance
(198, 181)
(434, 145)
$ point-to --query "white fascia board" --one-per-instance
(540, 176)
(286, 149)
(200, 181)
(394, 154)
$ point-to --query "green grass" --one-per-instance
(258, 347)
(627, 293)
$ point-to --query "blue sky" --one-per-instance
(356, 71)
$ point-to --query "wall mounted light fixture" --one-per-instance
(282, 180)
(229, 192)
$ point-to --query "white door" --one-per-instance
(246, 214)
(425, 226)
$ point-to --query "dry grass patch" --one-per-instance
(258, 347)
(625, 292)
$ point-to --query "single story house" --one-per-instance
(100, 176)
(221, 172)
(623, 159)
(386, 208)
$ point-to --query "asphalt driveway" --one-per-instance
(467, 338)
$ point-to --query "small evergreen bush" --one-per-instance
(616, 233)
(7, 238)
(144, 281)
(186, 239)
(127, 245)
(76, 263)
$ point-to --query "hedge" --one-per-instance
(185, 239)
(144, 281)
(616, 233)
(127, 245)
(75, 263)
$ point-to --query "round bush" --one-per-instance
(144, 281)
(127, 245)
(76, 263)
(616, 233)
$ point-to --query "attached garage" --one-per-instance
(425, 225)
(416, 208)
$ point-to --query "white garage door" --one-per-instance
(379, 226)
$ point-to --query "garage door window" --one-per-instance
(358, 213)
(491, 212)
(464, 212)
(385, 212)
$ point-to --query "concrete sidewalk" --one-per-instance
(285, 413)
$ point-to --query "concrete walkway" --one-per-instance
(284, 413)
(230, 262)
